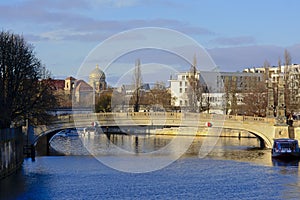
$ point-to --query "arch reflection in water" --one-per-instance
(244, 149)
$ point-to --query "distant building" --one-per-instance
(291, 79)
(83, 93)
(72, 92)
(69, 85)
(216, 85)
(239, 81)
(179, 88)
(97, 80)
(127, 91)
(130, 89)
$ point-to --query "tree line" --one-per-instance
(25, 93)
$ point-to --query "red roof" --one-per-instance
(56, 84)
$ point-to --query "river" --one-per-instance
(94, 168)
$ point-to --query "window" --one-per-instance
(180, 83)
(180, 90)
(181, 102)
(185, 90)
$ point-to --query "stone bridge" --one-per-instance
(263, 128)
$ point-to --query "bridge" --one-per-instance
(263, 128)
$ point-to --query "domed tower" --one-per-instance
(97, 79)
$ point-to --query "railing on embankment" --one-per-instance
(11, 150)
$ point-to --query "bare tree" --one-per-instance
(195, 89)
(23, 93)
(158, 98)
(287, 93)
(275, 86)
(255, 100)
(193, 84)
(137, 79)
(230, 89)
(266, 67)
(287, 58)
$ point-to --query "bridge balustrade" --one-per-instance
(146, 117)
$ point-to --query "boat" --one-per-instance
(285, 148)
(72, 133)
(68, 133)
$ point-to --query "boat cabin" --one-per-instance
(285, 145)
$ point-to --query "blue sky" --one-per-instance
(237, 34)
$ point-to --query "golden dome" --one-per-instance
(97, 74)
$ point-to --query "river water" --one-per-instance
(234, 169)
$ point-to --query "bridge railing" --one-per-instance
(111, 117)
(250, 119)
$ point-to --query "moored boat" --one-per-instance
(285, 148)
(68, 133)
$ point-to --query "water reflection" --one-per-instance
(221, 175)
(228, 148)
(12, 185)
(285, 163)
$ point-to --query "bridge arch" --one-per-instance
(265, 140)
(262, 141)
(42, 141)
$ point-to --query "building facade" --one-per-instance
(72, 91)
(290, 75)
(219, 89)
(97, 80)
(179, 86)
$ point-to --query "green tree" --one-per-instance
(25, 92)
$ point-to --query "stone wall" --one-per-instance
(11, 150)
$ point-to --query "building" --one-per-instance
(97, 80)
(179, 88)
(291, 77)
(83, 93)
(218, 89)
(69, 85)
(127, 92)
(71, 91)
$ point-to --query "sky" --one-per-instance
(236, 34)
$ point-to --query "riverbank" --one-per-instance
(11, 151)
